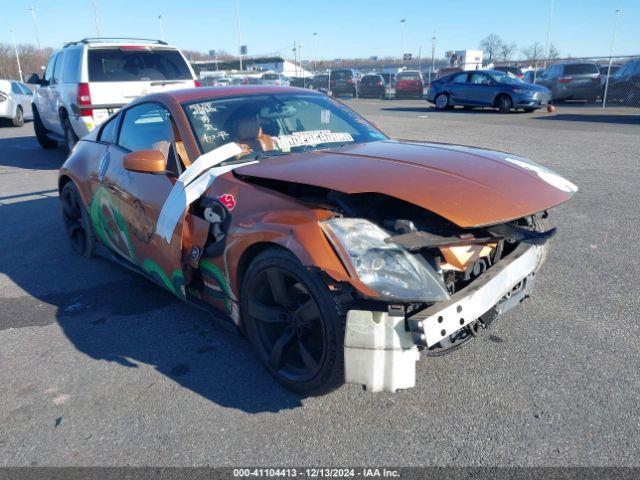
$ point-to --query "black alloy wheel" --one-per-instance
(76, 221)
(292, 322)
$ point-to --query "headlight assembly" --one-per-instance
(391, 271)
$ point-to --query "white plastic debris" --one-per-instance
(378, 352)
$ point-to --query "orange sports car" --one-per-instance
(340, 253)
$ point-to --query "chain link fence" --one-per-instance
(603, 81)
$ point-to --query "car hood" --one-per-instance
(470, 187)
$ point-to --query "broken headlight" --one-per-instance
(386, 268)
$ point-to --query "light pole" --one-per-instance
(402, 24)
(95, 17)
(161, 28)
(433, 55)
(548, 45)
(613, 41)
(315, 50)
(15, 47)
(32, 9)
(238, 31)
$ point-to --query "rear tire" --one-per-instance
(41, 132)
(18, 119)
(293, 322)
(504, 103)
(70, 138)
(77, 222)
(441, 101)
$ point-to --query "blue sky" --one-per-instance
(346, 28)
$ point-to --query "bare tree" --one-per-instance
(32, 60)
(507, 50)
(533, 53)
(553, 52)
(491, 45)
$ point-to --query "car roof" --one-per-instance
(207, 93)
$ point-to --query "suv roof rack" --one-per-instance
(114, 40)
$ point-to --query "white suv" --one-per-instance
(87, 81)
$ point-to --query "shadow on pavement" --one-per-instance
(114, 315)
(26, 152)
(622, 119)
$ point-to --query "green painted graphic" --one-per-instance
(211, 274)
(175, 284)
(109, 225)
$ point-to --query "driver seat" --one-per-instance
(249, 133)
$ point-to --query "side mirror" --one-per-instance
(145, 161)
(34, 79)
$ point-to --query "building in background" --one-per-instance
(465, 59)
(258, 64)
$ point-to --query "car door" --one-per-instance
(26, 101)
(456, 88)
(43, 98)
(55, 90)
(139, 197)
(18, 97)
(479, 90)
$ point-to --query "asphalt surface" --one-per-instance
(101, 367)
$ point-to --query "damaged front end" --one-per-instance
(438, 285)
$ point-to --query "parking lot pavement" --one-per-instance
(101, 367)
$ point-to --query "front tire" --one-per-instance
(293, 323)
(77, 222)
(41, 132)
(18, 119)
(504, 103)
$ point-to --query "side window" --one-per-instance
(479, 79)
(71, 69)
(460, 78)
(48, 73)
(109, 132)
(26, 90)
(146, 127)
(57, 71)
(15, 88)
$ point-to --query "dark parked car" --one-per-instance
(343, 81)
(320, 82)
(487, 88)
(389, 79)
(515, 71)
(572, 81)
(409, 84)
(372, 86)
(624, 85)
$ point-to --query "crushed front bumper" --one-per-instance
(380, 353)
(501, 287)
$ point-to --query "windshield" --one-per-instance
(581, 69)
(505, 77)
(267, 125)
(370, 79)
(124, 65)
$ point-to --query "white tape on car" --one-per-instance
(192, 183)
(312, 137)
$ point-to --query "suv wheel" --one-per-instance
(18, 120)
(70, 138)
(293, 322)
(41, 132)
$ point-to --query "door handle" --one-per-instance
(103, 165)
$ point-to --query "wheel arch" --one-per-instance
(502, 94)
